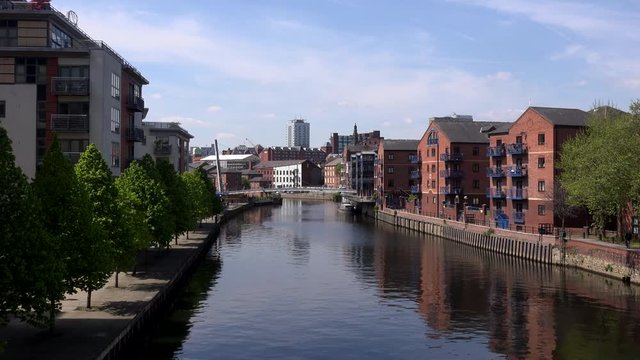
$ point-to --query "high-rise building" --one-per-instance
(298, 133)
(55, 79)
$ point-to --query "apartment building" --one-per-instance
(296, 173)
(338, 142)
(333, 173)
(278, 153)
(523, 171)
(235, 162)
(298, 133)
(55, 79)
(396, 171)
(167, 141)
(361, 172)
(452, 165)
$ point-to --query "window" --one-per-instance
(59, 39)
(433, 152)
(8, 33)
(434, 199)
(31, 71)
(76, 71)
(476, 201)
(3, 109)
(541, 139)
(476, 184)
(390, 169)
(541, 185)
(390, 183)
(115, 154)
(115, 120)
(518, 139)
(433, 184)
(541, 162)
(475, 151)
(391, 156)
(433, 168)
(541, 209)
(115, 86)
(475, 167)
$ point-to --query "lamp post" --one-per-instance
(464, 210)
(457, 201)
(444, 202)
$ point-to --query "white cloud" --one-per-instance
(214, 108)
(407, 120)
(268, 116)
(500, 75)
(226, 136)
(156, 96)
(185, 121)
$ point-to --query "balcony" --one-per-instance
(450, 190)
(414, 159)
(450, 157)
(162, 149)
(516, 149)
(495, 193)
(432, 141)
(69, 123)
(495, 172)
(518, 217)
(517, 194)
(70, 86)
(516, 171)
(450, 173)
(415, 174)
(495, 151)
(135, 103)
(415, 189)
(136, 134)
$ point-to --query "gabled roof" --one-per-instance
(468, 131)
(400, 144)
(562, 117)
(236, 157)
(334, 162)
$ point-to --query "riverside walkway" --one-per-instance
(83, 333)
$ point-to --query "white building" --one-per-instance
(298, 133)
(234, 162)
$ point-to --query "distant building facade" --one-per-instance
(298, 133)
(339, 142)
(167, 141)
(397, 174)
(362, 165)
(277, 153)
(334, 173)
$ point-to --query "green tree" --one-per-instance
(95, 177)
(66, 215)
(245, 183)
(28, 270)
(599, 166)
(144, 190)
(178, 197)
(197, 195)
(214, 204)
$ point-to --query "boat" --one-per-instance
(346, 207)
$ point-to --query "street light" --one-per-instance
(464, 210)
(444, 202)
(457, 201)
(484, 214)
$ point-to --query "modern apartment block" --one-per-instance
(55, 79)
(396, 171)
(452, 165)
(298, 133)
(522, 170)
(167, 141)
(362, 171)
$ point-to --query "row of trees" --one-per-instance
(73, 227)
(601, 167)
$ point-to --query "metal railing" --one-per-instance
(71, 86)
(450, 173)
(415, 189)
(451, 157)
(518, 217)
(414, 159)
(516, 171)
(495, 193)
(516, 149)
(495, 172)
(449, 190)
(415, 174)
(495, 151)
(136, 134)
(162, 149)
(517, 194)
(135, 103)
(69, 123)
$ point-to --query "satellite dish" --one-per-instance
(73, 17)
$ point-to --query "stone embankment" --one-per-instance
(117, 315)
(595, 256)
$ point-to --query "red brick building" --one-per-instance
(523, 170)
(277, 153)
(453, 162)
(334, 173)
(396, 171)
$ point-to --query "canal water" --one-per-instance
(305, 281)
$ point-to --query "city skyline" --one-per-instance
(232, 71)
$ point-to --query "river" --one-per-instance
(305, 281)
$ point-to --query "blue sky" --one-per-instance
(237, 70)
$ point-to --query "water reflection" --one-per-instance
(305, 281)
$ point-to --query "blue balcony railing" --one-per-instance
(495, 151)
(414, 159)
(450, 173)
(415, 189)
(517, 194)
(451, 190)
(516, 149)
(495, 172)
(496, 193)
(451, 157)
(516, 171)
(415, 174)
(518, 217)
(432, 141)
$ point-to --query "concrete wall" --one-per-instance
(20, 123)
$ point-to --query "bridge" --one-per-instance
(361, 204)
(306, 189)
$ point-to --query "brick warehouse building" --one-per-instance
(396, 171)
(55, 79)
(452, 165)
(523, 168)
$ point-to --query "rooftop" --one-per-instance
(400, 144)
(562, 117)
(465, 131)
